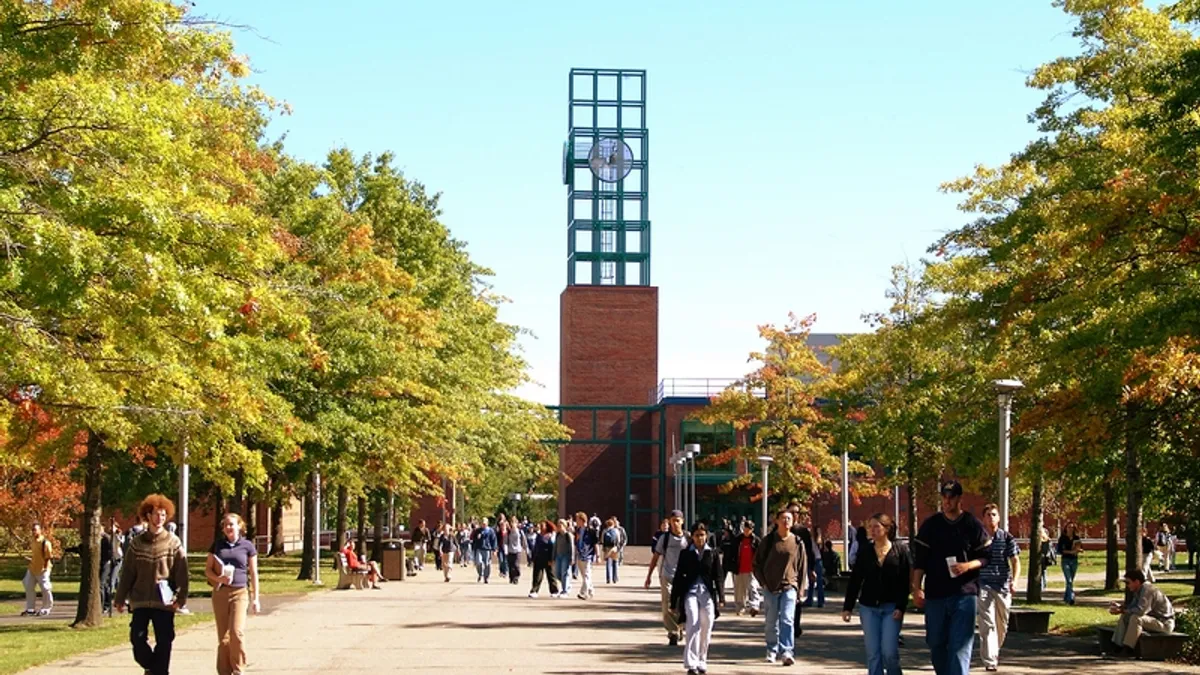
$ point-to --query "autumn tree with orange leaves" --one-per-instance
(778, 409)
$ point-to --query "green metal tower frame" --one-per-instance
(608, 224)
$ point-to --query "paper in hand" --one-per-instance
(165, 593)
(951, 561)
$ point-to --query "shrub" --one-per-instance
(1188, 622)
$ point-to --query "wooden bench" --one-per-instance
(1022, 620)
(1150, 646)
(348, 578)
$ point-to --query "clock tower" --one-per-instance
(609, 311)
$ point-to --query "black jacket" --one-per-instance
(874, 585)
(810, 553)
(731, 563)
(728, 546)
(692, 565)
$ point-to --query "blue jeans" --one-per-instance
(610, 570)
(781, 621)
(1070, 566)
(562, 570)
(950, 633)
(818, 588)
(882, 634)
(483, 563)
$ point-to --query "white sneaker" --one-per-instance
(788, 659)
(45, 611)
(770, 657)
(533, 595)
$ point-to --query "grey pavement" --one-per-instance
(423, 625)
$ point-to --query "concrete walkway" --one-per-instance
(426, 626)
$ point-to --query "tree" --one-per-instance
(894, 386)
(126, 156)
(779, 406)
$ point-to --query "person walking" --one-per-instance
(670, 545)
(153, 585)
(111, 572)
(232, 571)
(740, 559)
(996, 586)
(564, 556)
(1147, 556)
(1166, 544)
(622, 541)
(817, 586)
(879, 584)
(611, 543)
(37, 573)
(780, 568)
(1069, 548)
(801, 527)
(587, 549)
(420, 541)
(1047, 553)
(950, 548)
(483, 541)
(446, 542)
(696, 597)
(543, 558)
(514, 544)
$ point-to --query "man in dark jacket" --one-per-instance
(800, 528)
(950, 548)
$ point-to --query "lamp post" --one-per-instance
(183, 510)
(694, 453)
(316, 516)
(846, 508)
(1005, 389)
(688, 472)
(765, 462)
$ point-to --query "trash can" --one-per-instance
(393, 562)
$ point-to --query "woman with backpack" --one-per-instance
(445, 542)
(587, 544)
(611, 541)
(696, 596)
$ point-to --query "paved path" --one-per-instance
(426, 626)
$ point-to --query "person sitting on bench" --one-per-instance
(1147, 609)
(354, 565)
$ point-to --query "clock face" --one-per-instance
(610, 159)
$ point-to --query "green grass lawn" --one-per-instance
(24, 645)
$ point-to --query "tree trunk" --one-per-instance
(343, 497)
(250, 517)
(218, 513)
(309, 527)
(910, 484)
(1033, 589)
(88, 610)
(238, 498)
(360, 543)
(1112, 563)
(377, 516)
(1133, 496)
(277, 526)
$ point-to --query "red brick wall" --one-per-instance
(608, 356)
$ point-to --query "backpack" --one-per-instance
(610, 538)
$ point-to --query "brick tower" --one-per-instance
(609, 311)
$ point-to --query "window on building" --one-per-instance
(713, 439)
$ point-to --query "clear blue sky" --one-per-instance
(797, 146)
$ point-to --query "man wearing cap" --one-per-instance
(668, 548)
(949, 550)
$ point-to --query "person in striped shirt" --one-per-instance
(996, 588)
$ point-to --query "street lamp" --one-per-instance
(1005, 389)
(689, 472)
(693, 451)
(765, 462)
